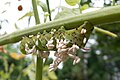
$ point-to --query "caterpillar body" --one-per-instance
(78, 36)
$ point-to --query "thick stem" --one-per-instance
(105, 15)
(47, 1)
(39, 63)
(39, 68)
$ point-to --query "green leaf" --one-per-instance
(67, 12)
(26, 15)
(72, 2)
(11, 68)
(42, 5)
(85, 6)
(50, 75)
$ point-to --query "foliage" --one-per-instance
(11, 66)
(15, 66)
(29, 14)
(67, 12)
(100, 63)
(47, 75)
(72, 2)
(42, 5)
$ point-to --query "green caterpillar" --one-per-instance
(78, 36)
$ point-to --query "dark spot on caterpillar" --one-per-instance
(70, 40)
(92, 29)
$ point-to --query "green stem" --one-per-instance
(34, 4)
(105, 32)
(47, 1)
(105, 15)
(39, 68)
(39, 64)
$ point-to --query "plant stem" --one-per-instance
(47, 1)
(105, 15)
(39, 63)
(37, 19)
(105, 32)
(39, 68)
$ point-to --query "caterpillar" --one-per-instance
(78, 36)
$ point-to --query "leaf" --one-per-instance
(31, 75)
(17, 56)
(50, 75)
(10, 48)
(45, 78)
(29, 71)
(85, 6)
(72, 2)
(43, 6)
(11, 68)
(67, 12)
(26, 15)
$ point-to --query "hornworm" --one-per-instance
(78, 36)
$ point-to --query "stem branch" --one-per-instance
(105, 32)
(47, 1)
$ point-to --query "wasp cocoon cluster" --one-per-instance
(64, 42)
